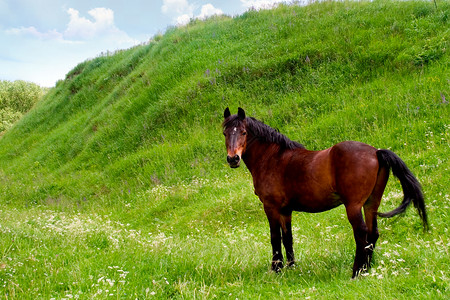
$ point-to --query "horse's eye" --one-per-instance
(244, 133)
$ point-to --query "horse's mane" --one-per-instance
(263, 132)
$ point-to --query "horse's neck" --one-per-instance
(258, 154)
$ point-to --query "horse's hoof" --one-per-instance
(360, 271)
(277, 266)
(290, 264)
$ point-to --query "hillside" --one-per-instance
(131, 143)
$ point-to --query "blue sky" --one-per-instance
(42, 40)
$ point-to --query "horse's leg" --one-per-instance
(370, 214)
(371, 209)
(286, 231)
(275, 238)
(355, 217)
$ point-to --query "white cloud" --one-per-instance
(260, 4)
(46, 56)
(182, 12)
(32, 31)
(177, 7)
(209, 10)
(183, 20)
(81, 29)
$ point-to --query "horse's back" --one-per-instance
(353, 157)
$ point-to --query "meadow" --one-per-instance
(115, 184)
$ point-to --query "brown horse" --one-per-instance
(287, 178)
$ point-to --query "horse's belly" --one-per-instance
(309, 203)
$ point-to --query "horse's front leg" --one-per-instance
(286, 231)
(275, 238)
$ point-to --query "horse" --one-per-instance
(287, 177)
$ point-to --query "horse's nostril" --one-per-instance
(233, 159)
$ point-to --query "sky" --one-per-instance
(42, 40)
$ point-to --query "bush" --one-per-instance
(17, 98)
(8, 117)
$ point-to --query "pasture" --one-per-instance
(115, 185)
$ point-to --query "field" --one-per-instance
(115, 184)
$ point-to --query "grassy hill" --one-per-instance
(116, 181)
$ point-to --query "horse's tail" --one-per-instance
(411, 187)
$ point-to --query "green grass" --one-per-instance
(115, 184)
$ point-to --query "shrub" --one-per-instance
(17, 98)
(8, 117)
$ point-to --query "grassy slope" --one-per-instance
(123, 162)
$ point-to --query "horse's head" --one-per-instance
(234, 130)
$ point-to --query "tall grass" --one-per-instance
(115, 184)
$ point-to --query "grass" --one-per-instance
(115, 184)
(95, 255)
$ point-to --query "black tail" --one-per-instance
(411, 187)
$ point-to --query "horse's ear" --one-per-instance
(226, 113)
(241, 113)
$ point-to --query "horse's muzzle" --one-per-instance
(234, 161)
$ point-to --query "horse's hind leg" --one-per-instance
(371, 209)
(355, 217)
(370, 214)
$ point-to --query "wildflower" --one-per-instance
(443, 99)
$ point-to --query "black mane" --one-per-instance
(263, 132)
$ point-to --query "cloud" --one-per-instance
(182, 12)
(260, 4)
(209, 10)
(81, 29)
(33, 32)
(183, 19)
(177, 7)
